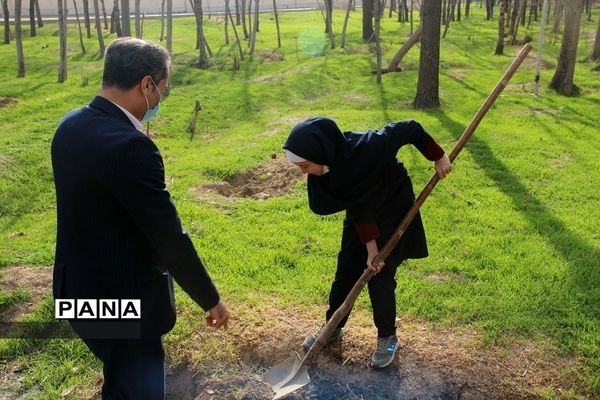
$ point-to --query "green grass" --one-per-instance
(514, 229)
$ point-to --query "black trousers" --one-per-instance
(352, 260)
(133, 370)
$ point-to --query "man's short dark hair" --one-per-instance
(128, 60)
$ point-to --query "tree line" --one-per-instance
(433, 15)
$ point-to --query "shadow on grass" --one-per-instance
(582, 258)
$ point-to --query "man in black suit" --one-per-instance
(119, 235)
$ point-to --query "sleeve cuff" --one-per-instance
(367, 232)
(433, 151)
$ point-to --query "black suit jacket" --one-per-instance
(118, 234)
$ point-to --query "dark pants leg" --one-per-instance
(132, 370)
(352, 260)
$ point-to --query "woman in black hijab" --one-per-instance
(359, 173)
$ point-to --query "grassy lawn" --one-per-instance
(514, 236)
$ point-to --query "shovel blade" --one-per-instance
(287, 376)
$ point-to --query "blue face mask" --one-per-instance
(151, 112)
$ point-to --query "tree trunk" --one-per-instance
(429, 60)
(62, 27)
(6, 21)
(595, 56)
(412, 40)
(328, 27)
(346, 23)
(79, 26)
(367, 20)
(500, 42)
(328, 15)
(169, 40)
(116, 20)
(86, 18)
(255, 30)
(104, 14)
(532, 12)
(226, 23)
(249, 15)
(467, 8)
(203, 61)
(558, 13)
(411, 16)
(237, 12)
(32, 31)
(521, 11)
(489, 9)
(237, 38)
(378, 12)
(98, 27)
(513, 17)
(451, 4)
(170, 26)
(125, 18)
(277, 24)
(458, 9)
(162, 20)
(393, 5)
(19, 40)
(136, 16)
(244, 27)
(562, 81)
(39, 14)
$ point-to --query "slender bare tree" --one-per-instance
(429, 60)
(276, 14)
(378, 13)
(244, 28)
(467, 8)
(367, 20)
(412, 40)
(255, 30)
(32, 31)
(348, 9)
(19, 40)
(136, 12)
(562, 81)
(237, 38)
(115, 20)
(125, 18)
(79, 26)
(595, 55)
(6, 21)
(500, 42)
(62, 27)
(86, 18)
(39, 14)
(170, 26)
(237, 12)
(203, 61)
(98, 27)
(162, 20)
(104, 14)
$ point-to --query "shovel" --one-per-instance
(291, 374)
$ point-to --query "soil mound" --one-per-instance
(271, 179)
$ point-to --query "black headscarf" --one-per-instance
(357, 162)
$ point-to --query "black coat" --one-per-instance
(118, 234)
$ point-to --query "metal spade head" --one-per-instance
(287, 376)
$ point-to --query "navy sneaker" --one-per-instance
(385, 351)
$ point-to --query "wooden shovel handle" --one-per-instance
(393, 240)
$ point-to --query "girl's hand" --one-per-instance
(443, 166)
(373, 251)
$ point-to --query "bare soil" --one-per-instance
(433, 362)
(271, 179)
(37, 281)
(7, 101)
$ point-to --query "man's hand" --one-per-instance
(373, 251)
(443, 166)
(218, 316)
